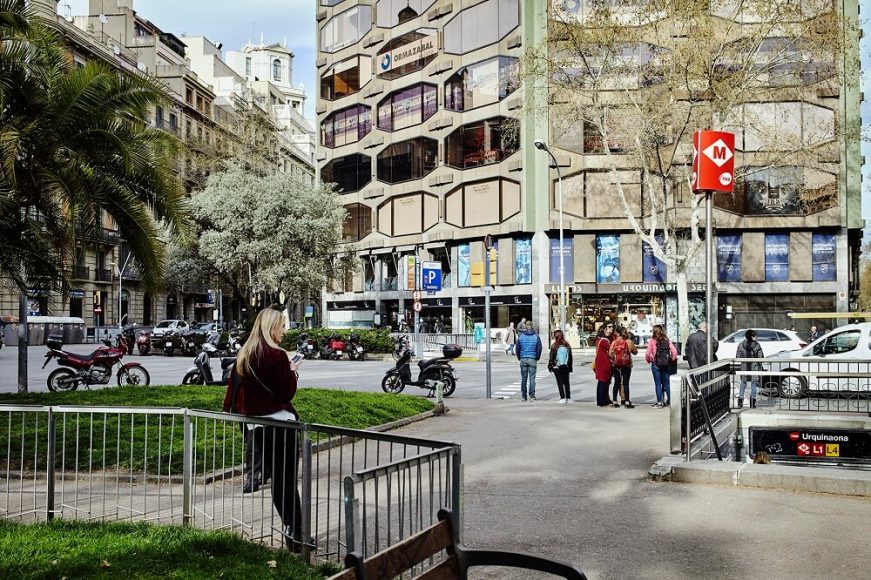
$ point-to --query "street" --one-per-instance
(351, 375)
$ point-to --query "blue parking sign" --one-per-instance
(431, 276)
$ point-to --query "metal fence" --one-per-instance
(711, 394)
(180, 466)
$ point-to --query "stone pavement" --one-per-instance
(570, 482)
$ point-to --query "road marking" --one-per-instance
(512, 389)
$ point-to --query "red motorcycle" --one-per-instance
(93, 369)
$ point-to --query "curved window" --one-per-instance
(346, 28)
(408, 160)
(483, 24)
(349, 173)
(346, 77)
(481, 143)
(407, 53)
(408, 214)
(358, 222)
(407, 107)
(346, 126)
(390, 13)
(276, 70)
(481, 84)
(482, 203)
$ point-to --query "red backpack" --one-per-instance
(621, 357)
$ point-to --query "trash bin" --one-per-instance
(35, 333)
(53, 327)
(10, 334)
(73, 330)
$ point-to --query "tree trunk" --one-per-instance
(22, 342)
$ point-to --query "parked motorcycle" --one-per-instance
(333, 347)
(143, 342)
(306, 346)
(430, 371)
(175, 340)
(201, 372)
(93, 369)
(355, 348)
(401, 344)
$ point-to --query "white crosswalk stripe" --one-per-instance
(509, 391)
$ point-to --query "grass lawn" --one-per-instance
(109, 440)
(69, 549)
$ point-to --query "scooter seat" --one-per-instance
(427, 362)
(227, 362)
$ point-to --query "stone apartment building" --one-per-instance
(425, 130)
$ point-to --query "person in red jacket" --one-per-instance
(266, 387)
(603, 364)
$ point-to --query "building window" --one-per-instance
(408, 160)
(346, 77)
(481, 84)
(173, 122)
(408, 214)
(408, 53)
(358, 223)
(189, 96)
(781, 191)
(408, 107)
(481, 143)
(349, 173)
(390, 13)
(481, 25)
(331, 2)
(248, 66)
(482, 203)
(276, 70)
(346, 28)
(158, 117)
(346, 126)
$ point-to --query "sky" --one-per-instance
(235, 23)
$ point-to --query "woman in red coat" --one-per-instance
(603, 364)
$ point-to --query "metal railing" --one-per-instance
(180, 466)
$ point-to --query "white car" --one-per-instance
(832, 362)
(771, 340)
(165, 326)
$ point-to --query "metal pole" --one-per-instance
(121, 271)
(487, 376)
(220, 309)
(562, 269)
(417, 346)
(709, 276)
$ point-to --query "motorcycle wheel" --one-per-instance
(135, 376)
(61, 380)
(392, 384)
(192, 378)
(168, 351)
(450, 384)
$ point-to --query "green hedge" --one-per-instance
(375, 341)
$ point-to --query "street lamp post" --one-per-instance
(542, 146)
(120, 270)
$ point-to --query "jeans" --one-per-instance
(662, 384)
(621, 383)
(561, 374)
(528, 368)
(754, 386)
(602, 393)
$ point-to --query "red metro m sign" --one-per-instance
(713, 161)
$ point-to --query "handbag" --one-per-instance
(593, 365)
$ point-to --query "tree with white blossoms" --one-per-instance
(272, 233)
(631, 81)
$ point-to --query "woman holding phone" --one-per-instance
(267, 385)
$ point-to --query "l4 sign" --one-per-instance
(713, 161)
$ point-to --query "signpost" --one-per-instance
(713, 171)
(488, 243)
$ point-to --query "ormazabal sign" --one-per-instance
(414, 50)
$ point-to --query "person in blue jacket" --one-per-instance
(528, 349)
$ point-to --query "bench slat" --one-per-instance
(410, 552)
(445, 570)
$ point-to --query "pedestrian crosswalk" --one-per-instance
(513, 390)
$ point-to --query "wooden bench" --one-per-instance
(430, 542)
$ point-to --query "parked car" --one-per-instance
(771, 340)
(165, 326)
(831, 359)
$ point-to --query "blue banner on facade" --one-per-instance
(824, 258)
(654, 268)
(729, 258)
(568, 260)
(523, 261)
(464, 265)
(777, 257)
(607, 259)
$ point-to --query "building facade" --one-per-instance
(428, 133)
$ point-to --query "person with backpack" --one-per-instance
(661, 354)
(749, 348)
(602, 365)
(560, 364)
(528, 350)
(622, 349)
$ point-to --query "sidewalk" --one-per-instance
(570, 482)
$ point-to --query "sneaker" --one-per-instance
(531, 397)
(657, 405)
(628, 405)
(523, 399)
(562, 401)
(615, 404)
(569, 401)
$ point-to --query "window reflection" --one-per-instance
(481, 25)
(358, 222)
(349, 173)
(407, 53)
(408, 107)
(481, 143)
(481, 84)
(346, 28)
(390, 13)
(346, 77)
(346, 126)
(407, 160)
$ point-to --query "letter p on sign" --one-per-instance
(713, 161)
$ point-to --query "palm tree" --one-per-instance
(75, 144)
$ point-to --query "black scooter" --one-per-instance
(431, 371)
(201, 372)
(355, 348)
(306, 346)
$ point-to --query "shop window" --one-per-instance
(408, 214)
(407, 53)
(481, 143)
(481, 25)
(346, 126)
(349, 173)
(390, 13)
(482, 203)
(346, 77)
(346, 28)
(358, 222)
(481, 84)
(407, 160)
(408, 107)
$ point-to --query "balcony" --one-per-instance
(103, 275)
(81, 273)
(99, 235)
